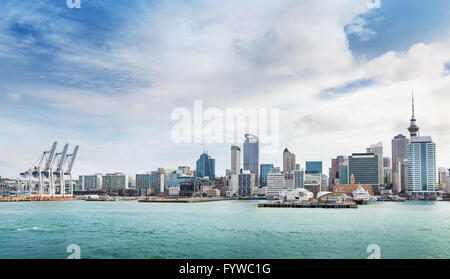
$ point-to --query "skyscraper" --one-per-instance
(421, 162)
(251, 155)
(377, 149)
(265, 169)
(275, 182)
(288, 161)
(205, 166)
(313, 167)
(246, 184)
(422, 166)
(235, 159)
(364, 168)
(399, 154)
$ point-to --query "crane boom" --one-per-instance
(62, 157)
(51, 155)
(72, 161)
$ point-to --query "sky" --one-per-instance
(109, 75)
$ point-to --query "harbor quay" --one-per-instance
(307, 205)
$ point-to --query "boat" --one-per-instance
(361, 195)
(439, 198)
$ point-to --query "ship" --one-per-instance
(361, 195)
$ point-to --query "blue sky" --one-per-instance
(107, 76)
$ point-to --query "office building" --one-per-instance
(377, 149)
(265, 169)
(399, 155)
(251, 155)
(246, 184)
(235, 160)
(113, 182)
(313, 167)
(288, 161)
(205, 167)
(275, 183)
(364, 167)
(158, 182)
(90, 182)
(299, 176)
(144, 183)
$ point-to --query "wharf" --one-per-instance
(31, 199)
(182, 200)
(308, 205)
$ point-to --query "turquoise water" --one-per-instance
(226, 229)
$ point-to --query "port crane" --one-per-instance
(47, 180)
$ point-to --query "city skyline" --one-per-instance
(111, 88)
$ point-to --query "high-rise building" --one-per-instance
(265, 169)
(288, 161)
(235, 160)
(442, 178)
(90, 182)
(364, 168)
(343, 173)
(143, 183)
(251, 155)
(422, 166)
(113, 182)
(377, 149)
(246, 184)
(399, 154)
(275, 183)
(299, 176)
(158, 182)
(297, 167)
(206, 166)
(387, 162)
(313, 167)
(421, 162)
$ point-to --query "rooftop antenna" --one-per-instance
(413, 114)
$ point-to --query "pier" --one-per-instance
(182, 200)
(308, 205)
(34, 199)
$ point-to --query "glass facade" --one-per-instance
(314, 167)
(265, 169)
(364, 166)
(251, 155)
(206, 166)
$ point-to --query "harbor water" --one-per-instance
(223, 229)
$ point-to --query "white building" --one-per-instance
(235, 160)
(296, 195)
(275, 183)
(114, 181)
(377, 149)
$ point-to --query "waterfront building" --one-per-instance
(176, 178)
(313, 182)
(421, 151)
(90, 182)
(296, 195)
(399, 155)
(158, 182)
(251, 155)
(246, 184)
(275, 183)
(299, 177)
(343, 173)
(442, 178)
(333, 173)
(265, 169)
(174, 191)
(234, 182)
(288, 161)
(205, 167)
(113, 182)
(364, 167)
(332, 198)
(350, 188)
(313, 167)
(144, 183)
(377, 149)
(422, 167)
(235, 160)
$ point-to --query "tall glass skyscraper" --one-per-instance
(206, 167)
(422, 165)
(265, 169)
(399, 154)
(251, 155)
(235, 160)
(364, 167)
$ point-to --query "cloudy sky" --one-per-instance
(109, 75)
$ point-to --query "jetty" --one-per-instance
(182, 200)
(308, 205)
(34, 199)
